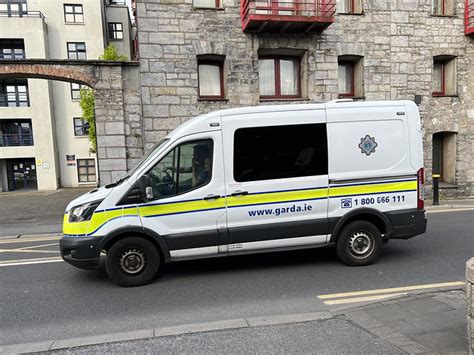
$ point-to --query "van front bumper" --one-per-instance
(407, 223)
(81, 252)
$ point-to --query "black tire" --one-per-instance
(132, 261)
(359, 244)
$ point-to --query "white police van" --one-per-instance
(259, 179)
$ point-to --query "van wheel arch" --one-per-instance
(145, 233)
(377, 218)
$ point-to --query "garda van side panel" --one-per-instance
(368, 142)
(369, 160)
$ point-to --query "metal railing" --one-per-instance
(469, 16)
(37, 14)
(16, 140)
(324, 9)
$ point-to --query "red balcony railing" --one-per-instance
(469, 17)
(286, 15)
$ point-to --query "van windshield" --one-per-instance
(146, 157)
(142, 162)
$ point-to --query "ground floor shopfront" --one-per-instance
(33, 174)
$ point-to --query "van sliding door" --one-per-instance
(276, 180)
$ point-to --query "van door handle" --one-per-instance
(211, 197)
(239, 193)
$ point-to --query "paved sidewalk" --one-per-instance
(424, 323)
(35, 212)
(467, 203)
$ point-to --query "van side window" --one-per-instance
(186, 167)
(277, 152)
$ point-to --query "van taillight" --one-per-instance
(421, 188)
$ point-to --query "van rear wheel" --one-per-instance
(359, 243)
(132, 261)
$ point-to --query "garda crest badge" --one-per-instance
(367, 145)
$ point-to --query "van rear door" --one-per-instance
(276, 179)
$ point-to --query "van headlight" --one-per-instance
(83, 212)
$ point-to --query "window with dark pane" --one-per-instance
(81, 127)
(278, 152)
(11, 49)
(115, 31)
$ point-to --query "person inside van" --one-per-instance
(201, 165)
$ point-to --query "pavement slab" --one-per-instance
(333, 336)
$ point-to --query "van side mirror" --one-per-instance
(146, 191)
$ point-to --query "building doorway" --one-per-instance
(444, 157)
(21, 174)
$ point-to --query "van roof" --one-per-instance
(201, 122)
(303, 107)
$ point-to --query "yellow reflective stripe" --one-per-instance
(276, 197)
(374, 188)
(180, 207)
(99, 218)
(86, 227)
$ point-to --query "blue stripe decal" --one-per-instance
(277, 191)
(372, 183)
(374, 193)
(184, 212)
(274, 203)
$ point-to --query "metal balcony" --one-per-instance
(293, 16)
(469, 18)
(16, 140)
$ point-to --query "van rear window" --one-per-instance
(278, 152)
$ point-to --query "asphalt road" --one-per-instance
(56, 301)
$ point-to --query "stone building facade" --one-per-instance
(398, 48)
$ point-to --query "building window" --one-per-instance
(117, 2)
(443, 7)
(86, 170)
(444, 156)
(73, 13)
(14, 93)
(350, 7)
(81, 127)
(76, 50)
(444, 76)
(279, 77)
(12, 49)
(76, 91)
(13, 7)
(211, 77)
(16, 133)
(280, 152)
(206, 4)
(350, 73)
(115, 31)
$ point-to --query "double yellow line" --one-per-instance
(381, 294)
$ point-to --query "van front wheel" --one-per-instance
(132, 261)
(359, 243)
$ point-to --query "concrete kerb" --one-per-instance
(163, 332)
(209, 326)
